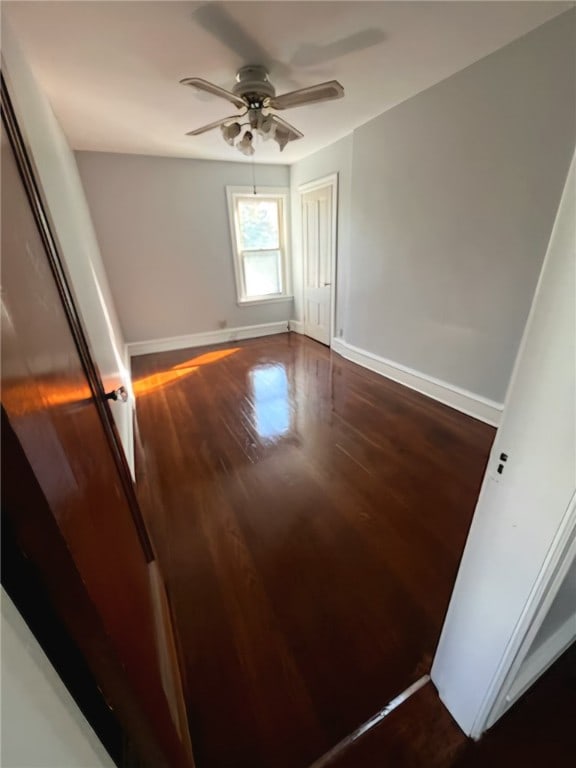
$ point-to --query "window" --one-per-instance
(258, 228)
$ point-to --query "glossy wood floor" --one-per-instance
(309, 517)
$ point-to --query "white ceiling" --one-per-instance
(111, 69)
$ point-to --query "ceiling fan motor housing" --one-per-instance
(253, 84)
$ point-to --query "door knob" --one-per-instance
(325, 284)
(117, 394)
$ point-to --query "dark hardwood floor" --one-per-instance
(420, 733)
(309, 517)
(537, 732)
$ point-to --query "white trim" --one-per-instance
(462, 400)
(297, 326)
(543, 657)
(130, 437)
(222, 336)
(558, 560)
(129, 441)
(312, 186)
(281, 194)
(123, 416)
(265, 300)
(326, 181)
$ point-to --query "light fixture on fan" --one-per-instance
(260, 125)
(245, 145)
(230, 132)
(254, 93)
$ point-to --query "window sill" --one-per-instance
(272, 300)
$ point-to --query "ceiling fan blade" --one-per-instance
(320, 92)
(215, 124)
(312, 54)
(204, 85)
(282, 125)
(216, 19)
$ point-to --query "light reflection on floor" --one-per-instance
(271, 403)
(208, 357)
(148, 384)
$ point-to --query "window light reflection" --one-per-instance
(208, 357)
(148, 384)
(54, 393)
(270, 400)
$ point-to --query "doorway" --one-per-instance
(318, 205)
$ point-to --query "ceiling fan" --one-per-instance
(254, 93)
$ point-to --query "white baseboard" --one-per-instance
(222, 336)
(467, 402)
(297, 326)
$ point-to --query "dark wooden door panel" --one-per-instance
(50, 406)
(30, 533)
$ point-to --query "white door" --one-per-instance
(525, 518)
(318, 243)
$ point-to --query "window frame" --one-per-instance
(281, 195)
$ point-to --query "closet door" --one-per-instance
(318, 250)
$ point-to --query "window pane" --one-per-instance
(258, 224)
(262, 273)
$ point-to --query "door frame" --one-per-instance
(40, 212)
(508, 685)
(311, 186)
(49, 557)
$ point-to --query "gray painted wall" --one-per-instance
(454, 194)
(163, 230)
(446, 204)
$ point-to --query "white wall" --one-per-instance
(522, 512)
(449, 199)
(337, 158)
(163, 229)
(42, 726)
(58, 175)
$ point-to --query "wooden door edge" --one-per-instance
(168, 657)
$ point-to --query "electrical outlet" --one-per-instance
(341, 332)
(222, 324)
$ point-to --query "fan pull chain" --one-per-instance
(254, 176)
